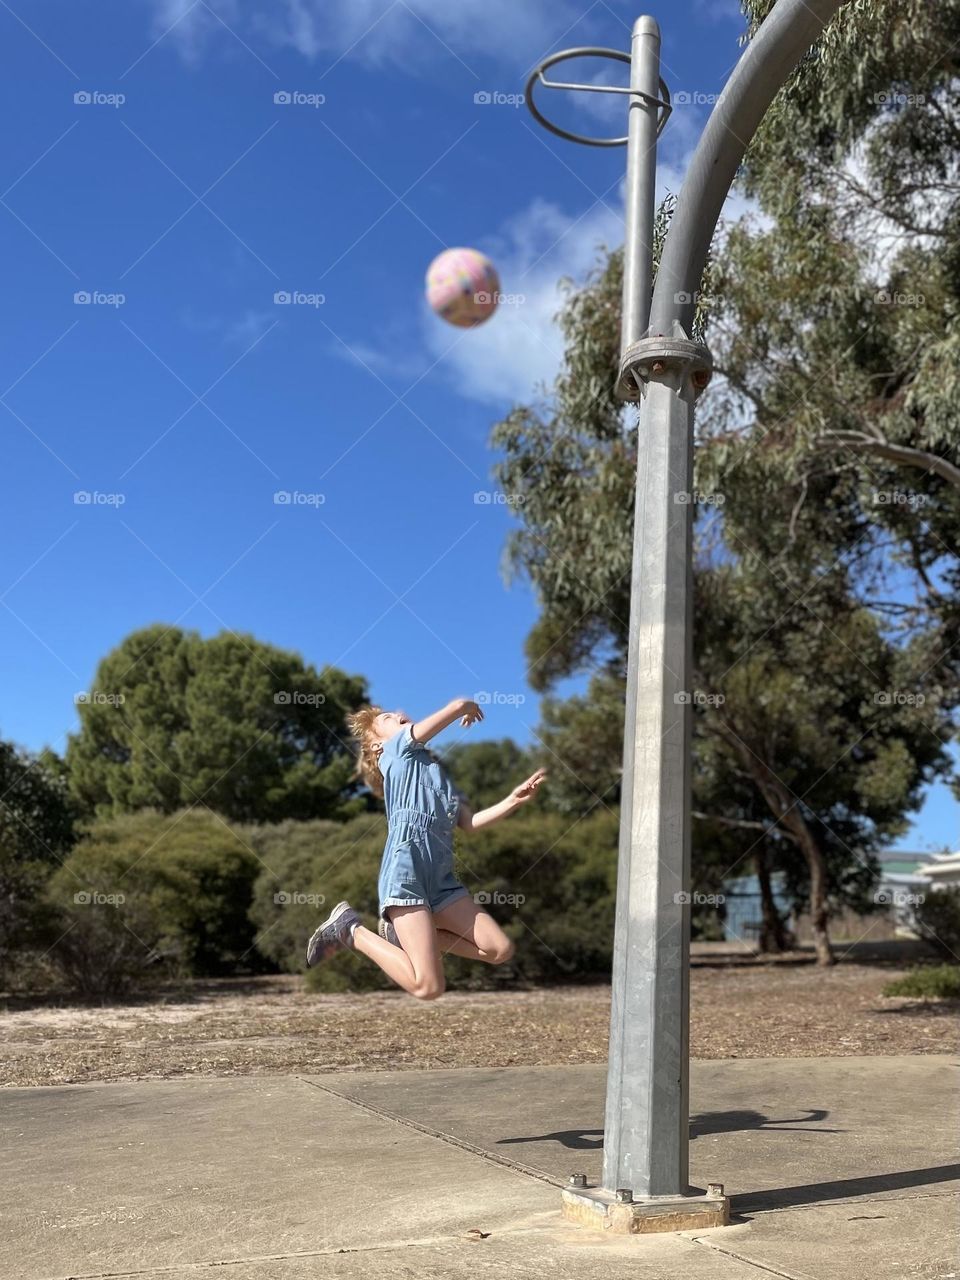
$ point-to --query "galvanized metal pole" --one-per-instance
(645, 1138)
(645, 1173)
(642, 124)
(642, 1148)
(646, 1135)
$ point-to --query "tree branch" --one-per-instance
(906, 456)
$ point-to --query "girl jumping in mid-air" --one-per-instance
(425, 912)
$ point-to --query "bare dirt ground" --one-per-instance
(273, 1025)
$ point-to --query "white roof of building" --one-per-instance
(942, 865)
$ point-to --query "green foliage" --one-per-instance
(837, 330)
(855, 343)
(884, 71)
(486, 771)
(793, 666)
(36, 832)
(927, 982)
(306, 868)
(583, 746)
(821, 696)
(570, 461)
(938, 920)
(152, 893)
(565, 872)
(549, 881)
(253, 732)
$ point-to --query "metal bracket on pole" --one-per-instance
(656, 357)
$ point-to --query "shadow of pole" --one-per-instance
(817, 1192)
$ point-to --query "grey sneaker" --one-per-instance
(335, 932)
(386, 930)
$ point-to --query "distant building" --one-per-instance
(942, 871)
(903, 885)
(743, 906)
(906, 876)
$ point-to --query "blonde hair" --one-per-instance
(360, 723)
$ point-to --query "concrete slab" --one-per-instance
(915, 1238)
(127, 1177)
(515, 1257)
(777, 1132)
(843, 1168)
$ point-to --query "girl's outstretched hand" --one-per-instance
(471, 714)
(527, 790)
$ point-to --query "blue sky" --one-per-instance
(185, 190)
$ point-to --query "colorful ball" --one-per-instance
(463, 287)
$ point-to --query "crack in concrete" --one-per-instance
(517, 1230)
(514, 1165)
(517, 1166)
(393, 1245)
(749, 1262)
(259, 1257)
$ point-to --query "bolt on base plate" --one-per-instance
(612, 1211)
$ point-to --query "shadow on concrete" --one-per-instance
(739, 1121)
(700, 1126)
(572, 1139)
(819, 1192)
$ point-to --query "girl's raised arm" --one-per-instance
(461, 709)
(467, 820)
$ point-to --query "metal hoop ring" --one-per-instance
(589, 52)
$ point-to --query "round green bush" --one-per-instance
(153, 893)
(938, 921)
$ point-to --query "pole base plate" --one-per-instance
(602, 1211)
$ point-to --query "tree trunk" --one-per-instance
(818, 905)
(772, 933)
(786, 810)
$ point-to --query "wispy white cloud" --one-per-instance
(189, 25)
(519, 348)
(242, 330)
(374, 31)
(250, 327)
(717, 11)
(388, 355)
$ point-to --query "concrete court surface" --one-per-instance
(840, 1168)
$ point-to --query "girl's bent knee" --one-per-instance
(429, 989)
(505, 952)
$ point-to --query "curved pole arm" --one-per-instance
(783, 39)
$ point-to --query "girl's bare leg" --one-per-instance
(451, 944)
(416, 965)
(464, 929)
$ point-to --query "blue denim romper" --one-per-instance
(422, 809)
